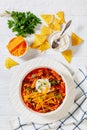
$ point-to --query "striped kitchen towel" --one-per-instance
(75, 120)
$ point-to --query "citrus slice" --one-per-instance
(68, 55)
(76, 40)
(10, 63)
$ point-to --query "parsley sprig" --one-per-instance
(23, 22)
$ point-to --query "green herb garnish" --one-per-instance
(58, 96)
(44, 83)
(53, 82)
(23, 22)
(33, 75)
(39, 87)
(28, 88)
(33, 90)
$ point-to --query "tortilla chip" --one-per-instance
(39, 39)
(56, 21)
(76, 40)
(61, 17)
(68, 55)
(10, 63)
(56, 25)
(44, 46)
(46, 30)
(48, 18)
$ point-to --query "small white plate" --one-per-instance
(27, 115)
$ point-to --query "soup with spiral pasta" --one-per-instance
(43, 90)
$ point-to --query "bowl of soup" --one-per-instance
(43, 90)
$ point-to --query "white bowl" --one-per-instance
(64, 43)
(47, 113)
(22, 55)
(30, 115)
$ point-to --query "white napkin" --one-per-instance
(75, 120)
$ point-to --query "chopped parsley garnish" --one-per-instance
(33, 75)
(53, 82)
(58, 96)
(23, 22)
(39, 87)
(28, 88)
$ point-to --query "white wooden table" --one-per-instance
(74, 9)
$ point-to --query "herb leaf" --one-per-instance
(58, 96)
(33, 75)
(53, 82)
(28, 88)
(23, 23)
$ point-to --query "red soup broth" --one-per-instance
(43, 102)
